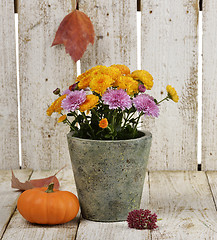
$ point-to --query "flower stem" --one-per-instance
(128, 118)
(94, 111)
(91, 129)
(166, 98)
(68, 122)
(135, 127)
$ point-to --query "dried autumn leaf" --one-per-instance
(44, 182)
(15, 183)
(75, 32)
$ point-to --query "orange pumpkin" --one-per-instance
(50, 206)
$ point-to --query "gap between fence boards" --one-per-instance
(15, 6)
(200, 5)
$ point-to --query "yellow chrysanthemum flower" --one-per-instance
(62, 118)
(129, 84)
(85, 78)
(113, 72)
(90, 102)
(103, 123)
(56, 105)
(172, 94)
(144, 77)
(123, 69)
(100, 83)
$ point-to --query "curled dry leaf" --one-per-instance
(75, 32)
(44, 182)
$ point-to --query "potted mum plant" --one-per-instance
(109, 154)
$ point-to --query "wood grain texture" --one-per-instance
(9, 144)
(89, 230)
(9, 196)
(212, 179)
(209, 111)
(19, 228)
(169, 53)
(42, 69)
(183, 199)
(184, 202)
(115, 28)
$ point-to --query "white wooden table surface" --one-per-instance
(186, 202)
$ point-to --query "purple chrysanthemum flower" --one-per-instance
(117, 98)
(142, 219)
(73, 100)
(145, 103)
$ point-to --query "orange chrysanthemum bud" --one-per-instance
(103, 123)
(62, 118)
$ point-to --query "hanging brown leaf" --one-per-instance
(44, 182)
(75, 32)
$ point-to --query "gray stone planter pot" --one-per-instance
(109, 175)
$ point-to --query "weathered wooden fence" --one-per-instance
(169, 38)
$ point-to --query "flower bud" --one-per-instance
(73, 87)
(56, 91)
(142, 88)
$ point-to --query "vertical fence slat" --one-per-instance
(115, 28)
(209, 122)
(170, 54)
(42, 69)
(9, 144)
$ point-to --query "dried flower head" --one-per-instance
(142, 219)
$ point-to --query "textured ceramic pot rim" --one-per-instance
(146, 135)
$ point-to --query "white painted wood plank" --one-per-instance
(184, 202)
(212, 179)
(169, 53)
(183, 190)
(89, 230)
(115, 28)
(209, 122)
(42, 69)
(186, 225)
(19, 228)
(8, 118)
(8, 195)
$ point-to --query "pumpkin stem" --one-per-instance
(50, 188)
